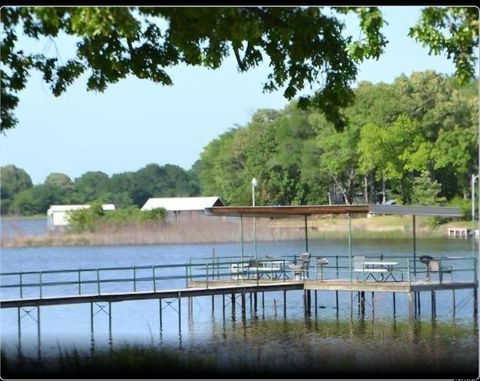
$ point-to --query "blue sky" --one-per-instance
(136, 122)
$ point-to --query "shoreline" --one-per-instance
(220, 231)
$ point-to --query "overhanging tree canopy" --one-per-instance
(304, 46)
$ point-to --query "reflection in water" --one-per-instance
(312, 346)
(272, 337)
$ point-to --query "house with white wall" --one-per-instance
(57, 215)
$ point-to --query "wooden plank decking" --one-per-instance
(214, 288)
(225, 286)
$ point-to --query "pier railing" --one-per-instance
(230, 270)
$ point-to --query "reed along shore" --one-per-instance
(218, 230)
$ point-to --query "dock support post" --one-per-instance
(373, 304)
(91, 320)
(453, 304)
(309, 302)
(19, 324)
(361, 301)
(243, 304)
(475, 303)
(351, 304)
(233, 305)
(305, 302)
(410, 305)
(38, 334)
(179, 312)
(419, 303)
(190, 307)
(394, 305)
(92, 336)
(336, 302)
(285, 304)
(213, 304)
(434, 305)
(263, 304)
(415, 305)
(160, 313)
(110, 336)
(255, 302)
(316, 303)
(223, 306)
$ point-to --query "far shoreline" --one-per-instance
(212, 230)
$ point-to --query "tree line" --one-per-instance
(127, 189)
(415, 141)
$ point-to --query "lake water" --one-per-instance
(267, 342)
(12, 227)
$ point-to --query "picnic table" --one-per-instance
(378, 270)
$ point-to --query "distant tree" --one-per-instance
(61, 187)
(35, 200)
(13, 181)
(90, 186)
(59, 180)
(426, 191)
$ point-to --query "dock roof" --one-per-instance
(308, 210)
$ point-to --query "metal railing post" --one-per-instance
(207, 274)
(40, 282)
(21, 285)
(79, 282)
(134, 279)
(98, 281)
(408, 270)
(186, 275)
(153, 278)
(336, 264)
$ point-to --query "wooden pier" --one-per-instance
(231, 277)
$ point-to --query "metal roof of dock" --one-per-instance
(308, 210)
(415, 210)
(286, 211)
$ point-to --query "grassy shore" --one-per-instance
(333, 348)
(218, 230)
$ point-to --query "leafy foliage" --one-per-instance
(13, 181)
(451, 30)
(304, 46)
(123, 189)
(92, 218)
(415, 138)
(419, 127)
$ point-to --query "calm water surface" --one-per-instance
(12, 227)
(271, 340)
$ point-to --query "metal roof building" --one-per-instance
(57, 215)
(181, 204)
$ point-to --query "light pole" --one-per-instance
(474, 178)
(254, 185)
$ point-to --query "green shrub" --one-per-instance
(95, 217)
(87, 219)
(464, 205)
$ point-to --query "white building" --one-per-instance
(57, 215)
(188, 208)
